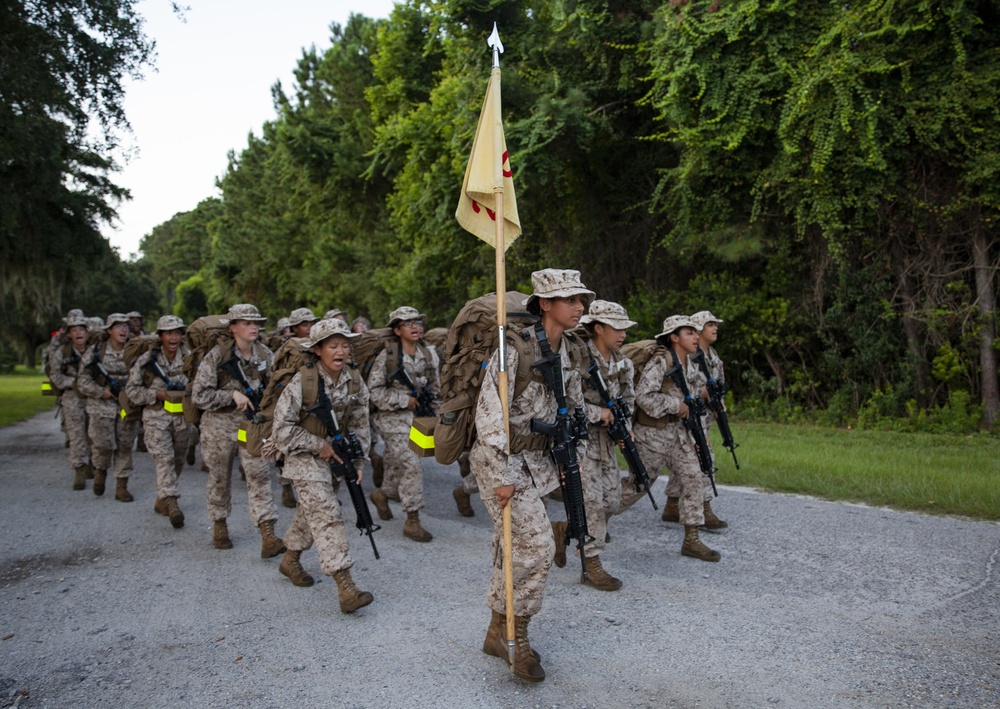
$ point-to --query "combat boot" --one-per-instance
(413, 530)
(378, 470)
(559, 533)
(121, 490)
(270, 545)
(220, 535)
(288, 496)
(90, 472)
(173, 511)
(100, 477)
(694, 547)
(381, 503)
(80, 477)
(495, 644)
(526, 664)
(351, 597)
(711, 521)
(670, 511)
(464, 502)
(598, 578)
(160, 506)
(291, 568)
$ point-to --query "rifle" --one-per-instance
(696, 409)
(563, 434)
(96, 368)
(154, 368)
(348, 449)
(716, 402)
(234, 368)
(618, 430)
(425, 399)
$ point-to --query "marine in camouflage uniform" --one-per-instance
(111, 435)
(393, 417)
(221, 398)
(523, 476)
(298, 323)
(162, 415)
(63, 368)
(303, 440)
(660, 435)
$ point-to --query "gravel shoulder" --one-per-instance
(814, 604)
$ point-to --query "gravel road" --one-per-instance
(814, 604)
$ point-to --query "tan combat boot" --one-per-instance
(220, 535)
(693, 546)
(711, 521)
(526, 664)
(378, 469)
(413, 530)
(670, 511)
(121, 490)
(173, 511)
(598, 578)
(559, 533)
(464, 502)
(381, 503)
(80, 477)
(291, 567)
(495, 644)
(351, 597)
(100, 477)
(288, 497)
(270, 545)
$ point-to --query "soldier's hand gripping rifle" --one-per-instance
(716, 402)
(425, 399)
(563, 434)
(348, 449)
(97, 369)
(696, 409)
(154, 368)
(618, 430)
(234, 368)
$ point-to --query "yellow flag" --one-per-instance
(489, 171)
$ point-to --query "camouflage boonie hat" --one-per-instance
(170, 322)
(95, 324)
(114, 319)
(671, 324)
(282, 324)
(301, 315)
(702, 318)
(361, 320)
(75, 321)
(404, 313)
(556, 283)
(335, 313)
(327, 328)
(133, 314)
(608, 313)
(74, 314)
(243, 311)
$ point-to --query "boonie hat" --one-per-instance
(335, 313)
(608, 313)
(114, 319)
(170, 322)
(75, 313)
(674, 322)
(327, 328)
(133, 314)
(75, 320)
(301, 315)
(95, 324)
(243, 311)
(556, 283)
(403, 314)
(282, 324)
(702, 318)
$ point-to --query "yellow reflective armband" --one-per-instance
(172, 407)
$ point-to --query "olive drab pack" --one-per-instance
(366, 349)
(641, 352)
(201, 336)
(472, 339)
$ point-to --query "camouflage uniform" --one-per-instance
(670, 445)
(601, 476)
(403, 475)
(74, 409)
(317, 516)
(219, 424)
(166, 433)
(528, 468)
(110, 434)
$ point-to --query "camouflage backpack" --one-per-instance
(201, 336)
(366, 349)
(641, 353)
(135, 348)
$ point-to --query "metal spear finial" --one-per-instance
(497, 46)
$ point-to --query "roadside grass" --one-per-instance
(947, 474)
(21, 395)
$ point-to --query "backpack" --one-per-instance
(641, 353)
(201, 336)
(135, 348)
(366, 349)
(472, 340)
(69, 356)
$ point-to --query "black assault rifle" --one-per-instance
(154, 368)
(425, 399)
(234, 368)
(96, 368)
(563, 434)
(716, 402)
(348, 449)
(618, 430)
(696, 409)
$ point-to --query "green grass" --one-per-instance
(928, 472)
(21, 396)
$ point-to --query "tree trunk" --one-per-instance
(986, 302)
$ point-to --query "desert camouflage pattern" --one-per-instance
(111, 437)
(73, 407)
(167, 435)
(317, 518)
